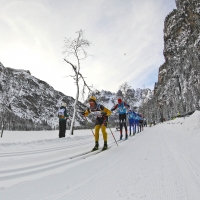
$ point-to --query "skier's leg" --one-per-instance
(134, 128)
(105, 137)
(130, 124)
(60, 129)
(125, 130)
(64, 128)
(125, 126)
(96, 129)
(96, 132)
(121, 125)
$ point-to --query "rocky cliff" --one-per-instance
(178, 86)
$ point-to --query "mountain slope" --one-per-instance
(33, 99)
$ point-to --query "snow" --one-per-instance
(160, 163)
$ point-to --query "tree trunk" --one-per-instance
(2, 129)
(76, 100)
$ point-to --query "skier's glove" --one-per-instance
(83, 113)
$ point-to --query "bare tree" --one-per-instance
(75, 49)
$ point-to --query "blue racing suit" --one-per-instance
(130, 116)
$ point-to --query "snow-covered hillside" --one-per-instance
(28, 103)
(161, 162)
(23, 96)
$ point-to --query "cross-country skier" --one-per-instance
(63, 116)
(140, 122)
(121, 106)
(136, 123)
(130, 116)
(102, 114)
(145, 122)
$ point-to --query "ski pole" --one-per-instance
(88, 122)
(113, 135)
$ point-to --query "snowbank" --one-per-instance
(192, 123)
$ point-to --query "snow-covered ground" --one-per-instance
(160, 163)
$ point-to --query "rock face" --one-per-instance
(26, 99)
(178, 85)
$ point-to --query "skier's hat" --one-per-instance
(92, 98)
(119, 100)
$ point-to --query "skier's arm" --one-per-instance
(66, 115)
(86, 113)
(126, 105)
(106, 111)
(134, 113)
(114, 107)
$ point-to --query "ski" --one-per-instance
(94, 150)
(105, 149)
(81, 154)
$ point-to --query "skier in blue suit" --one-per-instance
(121, 106)
(131, 120)
(134, 122)
(137, 123)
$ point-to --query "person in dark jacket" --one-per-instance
(63, 116)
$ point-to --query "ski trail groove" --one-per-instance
(45, 150)
(190, 188)
(67, 195)
(39, 168)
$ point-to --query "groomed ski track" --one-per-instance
(160, 163)
(47, 166)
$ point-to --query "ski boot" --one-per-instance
(121, 135)
(126, 137)
(96, 147)
(105, 146)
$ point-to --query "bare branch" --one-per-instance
(76, 48)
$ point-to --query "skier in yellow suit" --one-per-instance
(102, 114)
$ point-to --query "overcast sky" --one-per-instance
(126, 36)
